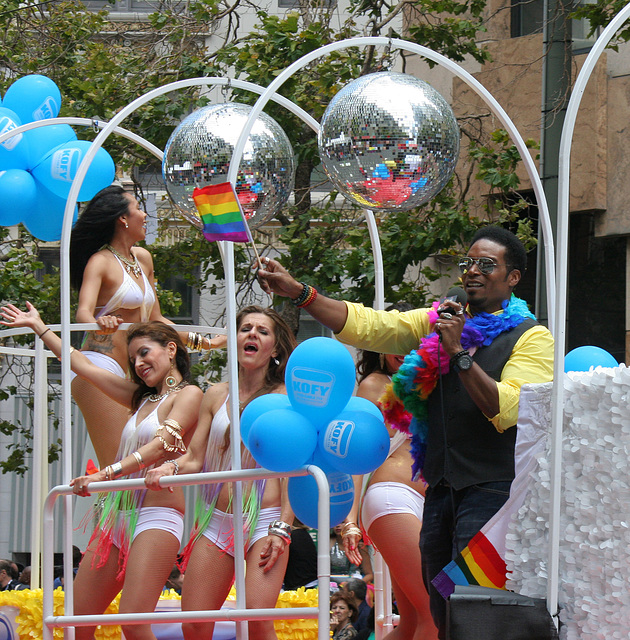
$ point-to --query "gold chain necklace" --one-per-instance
(154, 397)
(130, 266)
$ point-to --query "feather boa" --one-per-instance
(418, 375)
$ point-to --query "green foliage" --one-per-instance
(599, 14)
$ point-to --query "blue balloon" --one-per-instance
(303, 495)
(282, 440)
(257, 407)
(363, 404)
(355, 442)
(45, 220)
(14, 151)
(33, 97)
(587, 357)
(58, 169)
(43, 140)
(18, 195)
(320, 378)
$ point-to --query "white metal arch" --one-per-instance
(559, 326)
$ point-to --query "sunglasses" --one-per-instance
(486, 265)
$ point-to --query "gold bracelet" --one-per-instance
(71, 351)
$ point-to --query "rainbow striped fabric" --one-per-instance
(221, 213)
(479, 563)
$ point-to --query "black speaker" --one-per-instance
(481, 613)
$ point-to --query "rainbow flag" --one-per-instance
(482, 562)
(479, 563)
(221, 213)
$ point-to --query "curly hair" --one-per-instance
(162, 334)
(94, 228)
(369, 362)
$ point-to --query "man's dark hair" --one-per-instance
(357, 586)
(515, 254)
(8, 566)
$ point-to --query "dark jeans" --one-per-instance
(448, 524)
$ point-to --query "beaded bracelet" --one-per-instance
(308, 296)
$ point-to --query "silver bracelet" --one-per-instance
(138, 456)
(174, 463)
(281, 529)
(116, 470)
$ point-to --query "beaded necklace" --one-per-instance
(130, 266)
(418, 374)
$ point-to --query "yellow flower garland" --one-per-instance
(30, 618)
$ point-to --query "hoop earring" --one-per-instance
(170, 379)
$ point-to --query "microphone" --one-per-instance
(454, 294)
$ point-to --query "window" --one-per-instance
(527, 17)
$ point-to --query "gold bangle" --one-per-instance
(71, 351)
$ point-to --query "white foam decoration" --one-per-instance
(594, 595)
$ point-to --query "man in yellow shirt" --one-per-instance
(494, 346)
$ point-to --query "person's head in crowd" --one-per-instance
(25, 576)
(356, 589)
(343, 608)
(7, 572)
(76, 556)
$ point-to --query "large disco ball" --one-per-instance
(199, 151)
(389, 141)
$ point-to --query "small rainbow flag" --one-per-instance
(479, 564)
(221, 213)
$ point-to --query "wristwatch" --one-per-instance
(461, 361)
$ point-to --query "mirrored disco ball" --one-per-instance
(389, 141)
(199, 151)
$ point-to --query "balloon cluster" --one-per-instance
(320, 423)
(37, 167)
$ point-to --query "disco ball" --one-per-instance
(199, 151)
(388, 141)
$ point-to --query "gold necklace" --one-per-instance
(155, 397)
(129, 265)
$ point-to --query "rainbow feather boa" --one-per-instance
(418, 375)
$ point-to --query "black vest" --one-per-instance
(475, 451)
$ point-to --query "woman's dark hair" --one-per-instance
(285, 343)
(162, 334)
(340, 595)
(371, 362)
(94, 228)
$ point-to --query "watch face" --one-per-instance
(464, 362)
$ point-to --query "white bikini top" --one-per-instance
(130, 296)
(136, 434)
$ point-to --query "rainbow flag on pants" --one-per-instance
(221, 214)
(482, 561)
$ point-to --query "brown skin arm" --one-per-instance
(274, 278)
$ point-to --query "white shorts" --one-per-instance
(220, 530)
(386, 498)
(102, 361)
(163, 518)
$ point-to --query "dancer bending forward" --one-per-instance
(391, 512)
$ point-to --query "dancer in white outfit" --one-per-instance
(114, 279)
(264, 343)
(391, 512)
(139, 533)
